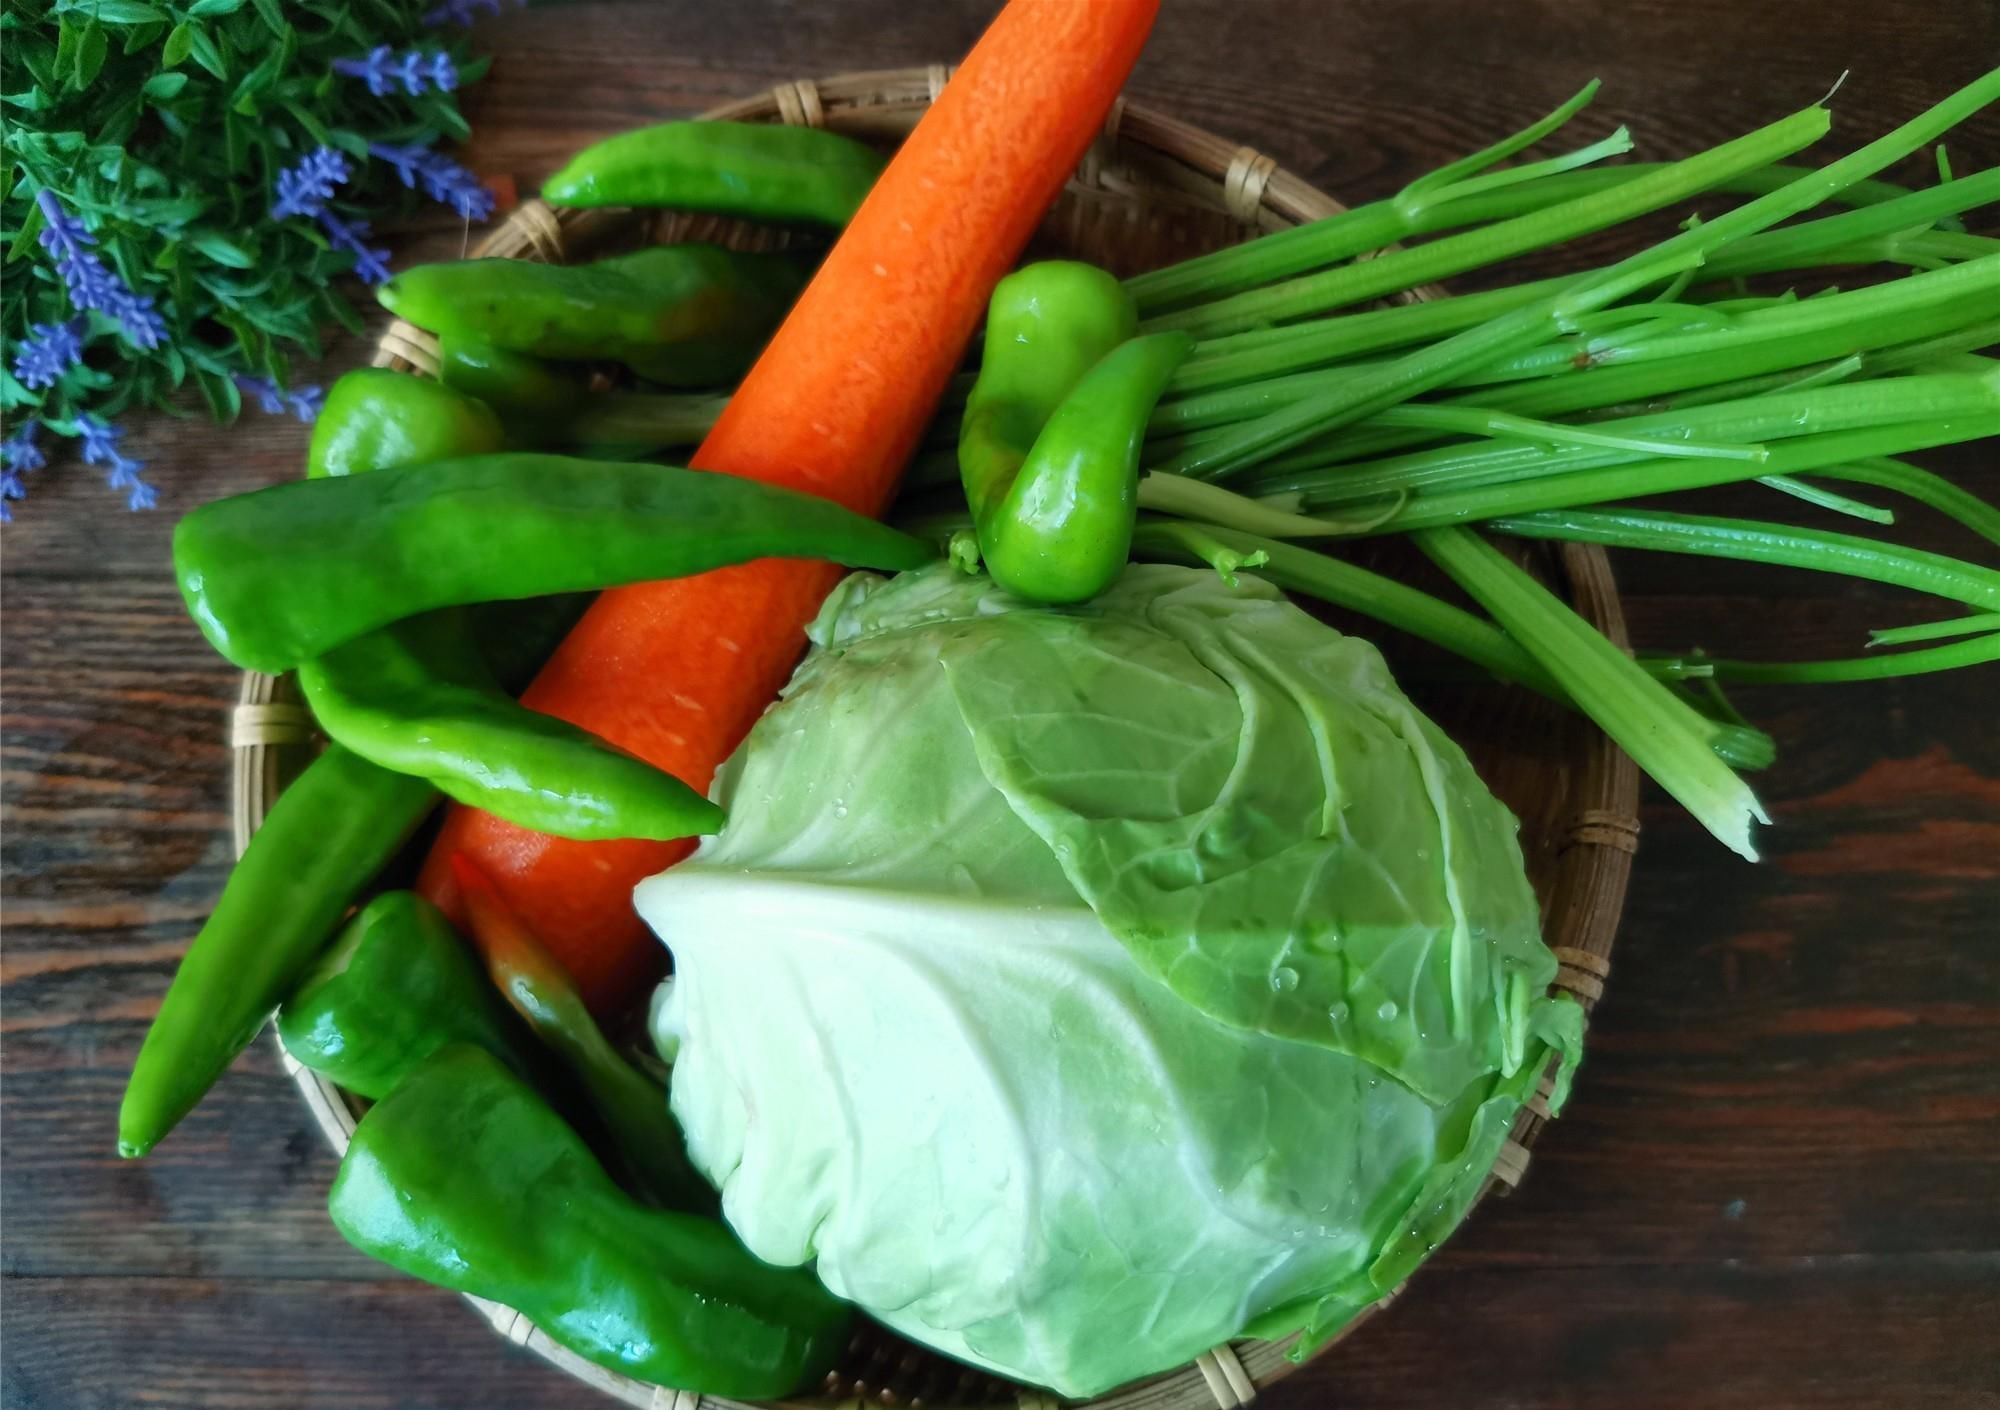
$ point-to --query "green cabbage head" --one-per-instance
(1082, 988)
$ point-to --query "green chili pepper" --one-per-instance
(1049, 447)
(541, 404)
(631, 1105)
(284, 574)
(463, 1177)
(416, 697)
(394, 988)
(332, 829)
(374, 417)
(652, 420)
(683, 315)
(757, 171)
(533, 399)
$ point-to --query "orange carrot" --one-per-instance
(677, 672)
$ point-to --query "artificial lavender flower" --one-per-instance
(274, 400)
(100, 447)
(18, 455)
(136, 315)
(414, 70)
(43, 359)
(460, 12)
(19, 450)
(370, 262)
(444, 179)
(90, 284)
(305, 402)
(305, 187)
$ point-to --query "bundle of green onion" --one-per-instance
(1526, 408)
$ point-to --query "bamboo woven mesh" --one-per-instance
(1152, 190)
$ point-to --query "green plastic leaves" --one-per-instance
(1082, 987)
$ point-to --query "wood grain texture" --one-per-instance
(1774, 1185)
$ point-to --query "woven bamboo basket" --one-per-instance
(1151, 190)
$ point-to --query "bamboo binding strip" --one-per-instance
(1153, 189)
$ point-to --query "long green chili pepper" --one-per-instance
(650, 419)
(333, 828)
(542, 405)
(416, 697)
(464, 1177)
(631, 1105)
(336, 825)
(285, 574)
(374, 417)
(394, 988)
(757, 171)
(534, 399)
(682, 315)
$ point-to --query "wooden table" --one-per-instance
(1775, 1186)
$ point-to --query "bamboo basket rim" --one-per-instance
(1173, 170)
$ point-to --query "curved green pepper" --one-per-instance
(463, 1177)
(631, 1105)
(1063, 529)
(333, 828)
(1049, 446)
(683, 315)
(374, 418)
(533, 399)
(284, 574)
(416, 697)
(541, 404)
(753, 170)
(397, 985)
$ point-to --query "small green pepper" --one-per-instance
(284, 574)
(682, 315)
(416, 697)
(332, 829)
(374, 418)
(543, 406)
(653, 420)
(394, 988)
(463, 1176)
(631, 1105)
(1049, 446)
(533, 399)
(756, 171)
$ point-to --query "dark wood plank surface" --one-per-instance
(1775, 1185)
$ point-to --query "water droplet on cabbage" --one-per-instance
(1388, 1011)
(1284, 979)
